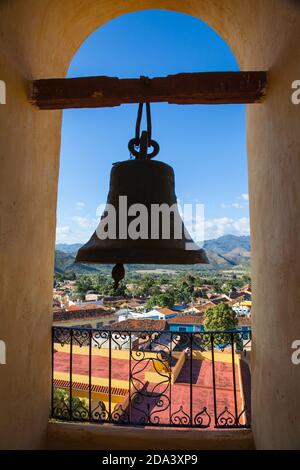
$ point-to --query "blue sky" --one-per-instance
(206, 145)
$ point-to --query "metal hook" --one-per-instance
(143, 141)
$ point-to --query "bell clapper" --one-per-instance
(118, 273)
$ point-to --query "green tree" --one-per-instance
(70, 276)
(183, 294)
(221, 317)
(246, 279)
(61, 404)
(228, 286)
(165, 299)
(149, 285)
(84, 284)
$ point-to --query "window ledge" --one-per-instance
(78, 436)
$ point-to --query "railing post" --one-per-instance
(71, 374)
(234, 379)
(170, 380)
(52, 371)
(214, 378)
(129, 390)
(109, 376)
(90, 375)
(191, 379)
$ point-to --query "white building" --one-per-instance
(94, 298)
(154, 314)
(241, 310)
(85, 303)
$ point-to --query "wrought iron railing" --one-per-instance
(152, 378)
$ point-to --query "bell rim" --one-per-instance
(183, 257)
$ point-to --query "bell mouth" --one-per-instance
(141, 255)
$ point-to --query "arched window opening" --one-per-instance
(167, 312)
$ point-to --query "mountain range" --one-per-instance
(224, 252)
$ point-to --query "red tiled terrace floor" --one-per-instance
(184, 400)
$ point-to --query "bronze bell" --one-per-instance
(150, 183)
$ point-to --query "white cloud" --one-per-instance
(237, 205)
(79, 205)
(62, 230)
(79, 232)
(245, 197)
(215, 228)
(62, 233)
(85, 222)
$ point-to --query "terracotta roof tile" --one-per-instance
(136, 324)
(166, 311)
(91, 306)
(71, 308)
(236, 295)
(76, 313)
(187, 319)
(220, 300)
(203, 307)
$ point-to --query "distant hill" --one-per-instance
(64, 247)
(227, 243)
(224, 252)
(65, 262)
(233, 249)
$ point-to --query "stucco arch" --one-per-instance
(96, 19)
(56, 29)
(38, 40)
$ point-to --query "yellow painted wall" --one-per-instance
(104, 397)
(95, 380)
(218, 356)
(104, 352)
(178, 366)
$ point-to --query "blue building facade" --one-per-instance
(186, 328)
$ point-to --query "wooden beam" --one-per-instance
(184, 88)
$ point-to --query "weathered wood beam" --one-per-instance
(184, 88)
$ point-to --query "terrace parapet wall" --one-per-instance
(65, 315)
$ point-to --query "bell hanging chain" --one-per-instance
(139, 145)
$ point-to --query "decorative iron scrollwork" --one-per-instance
(180, 417)
(100, 413)
(226, 419)
(202, 419)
